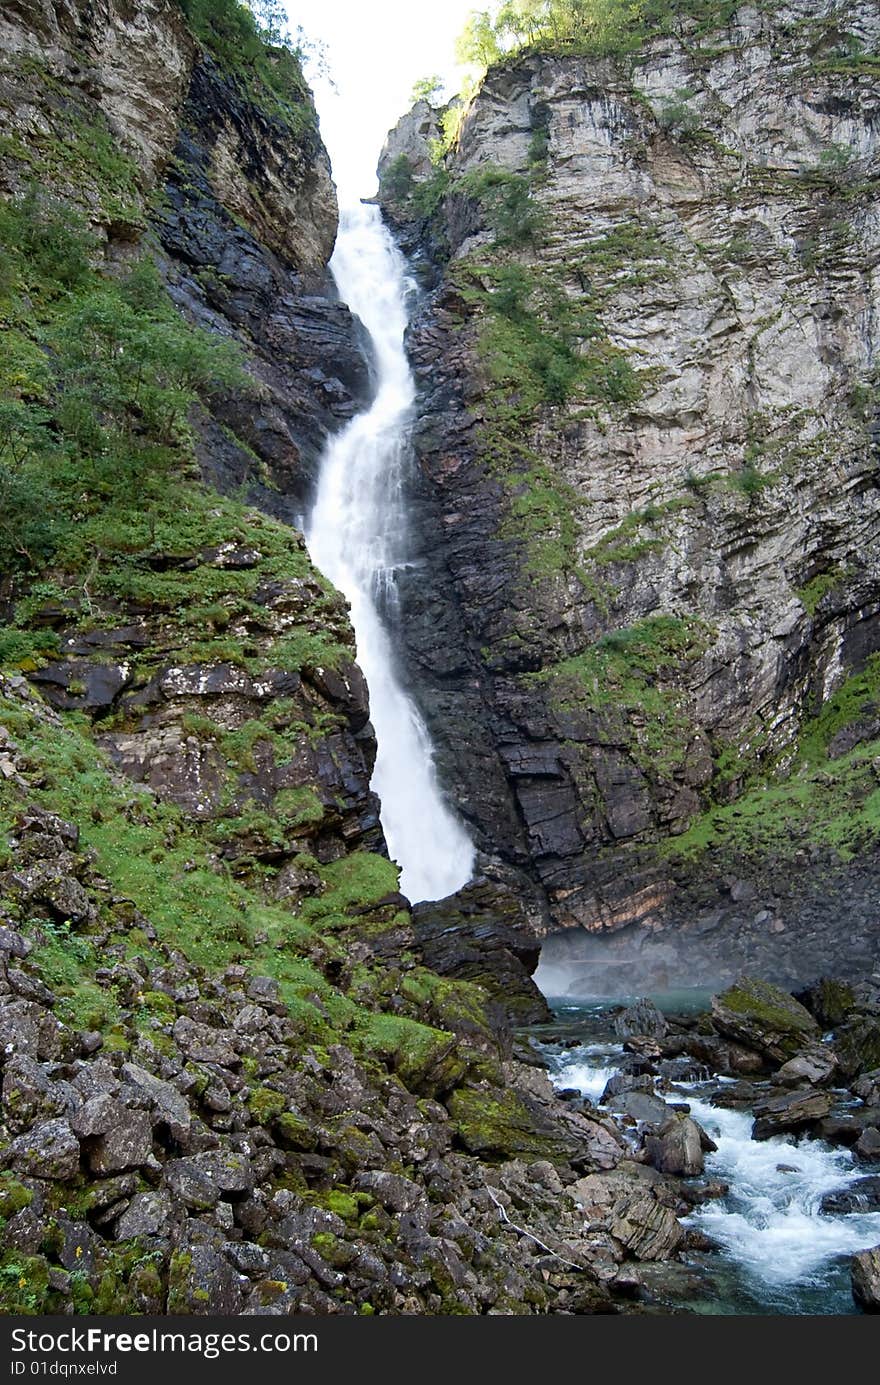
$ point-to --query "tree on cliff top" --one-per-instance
(601, 28)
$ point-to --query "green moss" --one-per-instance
(497, 1125)
(427, 1061)
(259, 58)
(14, 1196)
(540, 346)
(265, 1105)
(348, 1206)
(24, 1284)
(818, 587)
(353, 883)
(770, 1007)
(636, 669)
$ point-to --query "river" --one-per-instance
(776, 1251)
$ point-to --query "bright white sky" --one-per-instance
(376, 50)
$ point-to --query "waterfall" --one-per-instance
(358, 536)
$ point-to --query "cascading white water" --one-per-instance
(357, 536)
(791, 1256)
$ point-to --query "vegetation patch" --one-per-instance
(257, 53)
(633, 672)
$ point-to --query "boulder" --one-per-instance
(49, 1150)
(646, 1229)
(201, 1180)
(624, 1082)
(499, 1124)
(814, 1066)
(677, 1147)
(764, 1017)
(641, 1018)
(396, 1193)
(192, 1184)
(642, 1106)
(865, 1272)
(861, 1196)
(168, 1106)
(790, 1111)
(148, 1214)
(123, 1141)
(202, 1282)
(28, 1095)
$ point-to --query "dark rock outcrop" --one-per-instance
(632, 600)
(866, 1280)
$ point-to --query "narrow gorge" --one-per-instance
(427, 631)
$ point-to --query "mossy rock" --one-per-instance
(292, 1132)
(830, 1000)
(498, 1125)
(764, 1017)
(857, 1046)
(14, 1196)
(429, 1062)
(265, 1105)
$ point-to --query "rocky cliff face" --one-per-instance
(649, 449)
(185, 755)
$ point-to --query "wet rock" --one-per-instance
(790, 1111)
(641, 1018)
(677, 1147)
(867, 1146)
(846, 1124)
(643, 1106)
(857, 1045)
(625, 1082)
(868, 1087)
(861, 1196)
(865, 1274)
(484, 934)
(763, 1017)
(80, 684)
(812, 1067)
(829, 1000)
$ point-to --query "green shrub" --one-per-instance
(397, 180)
(506, 201)
(250, 43)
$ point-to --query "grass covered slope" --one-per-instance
(227, 1074)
